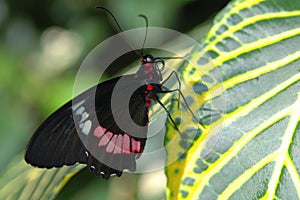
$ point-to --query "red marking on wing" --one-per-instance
(111, 145)
(105, 139)
(99, 131)
(118, 147)
(126, 144)
(135, 145)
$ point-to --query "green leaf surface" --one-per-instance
(22, 181)
(248, 73)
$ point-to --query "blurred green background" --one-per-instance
(42, 44)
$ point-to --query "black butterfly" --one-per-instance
(87, 129)
(57, 142)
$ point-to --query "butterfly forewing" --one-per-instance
(50, 144)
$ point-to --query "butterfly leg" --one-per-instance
(180, 94)
(178, 81)
(185, 102)
(169, 115)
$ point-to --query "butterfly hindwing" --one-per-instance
(112, 145)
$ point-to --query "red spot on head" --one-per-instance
(148, 104)
(99, 131)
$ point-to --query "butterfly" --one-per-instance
(97, 128)
(57, 142)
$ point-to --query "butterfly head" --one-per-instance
(147, 59)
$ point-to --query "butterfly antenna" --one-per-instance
(146, 33)
(121, 30)
(112, 15)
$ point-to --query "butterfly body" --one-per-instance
(105, 127)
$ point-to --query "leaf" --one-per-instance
(22, 181)
(247, 76)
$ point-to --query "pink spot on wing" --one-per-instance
(99, 131)
(111, 145)
(135, 145)
(118, 147)
(105, 139)
(126, 144)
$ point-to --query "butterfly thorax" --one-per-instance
(150, 75)
(149, 71)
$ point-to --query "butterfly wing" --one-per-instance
(117, 148)
(56, 142)
(69, 135)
